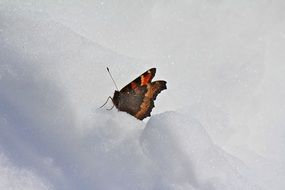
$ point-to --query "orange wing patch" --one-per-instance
(146, 78)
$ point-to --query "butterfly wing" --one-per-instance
(143, 79)
(130, 101)
(147, 104)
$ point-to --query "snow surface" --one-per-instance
(218, 126)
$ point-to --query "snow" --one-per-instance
(219, 125)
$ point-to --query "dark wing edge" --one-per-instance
(153, 89)
(143, 79)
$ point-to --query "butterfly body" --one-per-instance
(137, 98)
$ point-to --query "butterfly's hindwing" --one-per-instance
(153, 89)
(130, 101)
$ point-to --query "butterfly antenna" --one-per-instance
(112, 78)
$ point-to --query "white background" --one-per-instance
(219, 125)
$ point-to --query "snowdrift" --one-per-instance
(219, 125)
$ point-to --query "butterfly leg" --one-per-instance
(106, 101)
(111, 108)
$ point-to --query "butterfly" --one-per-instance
(137, 97)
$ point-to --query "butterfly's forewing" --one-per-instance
(143, 79)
